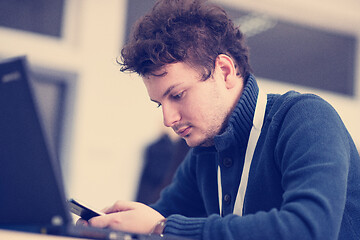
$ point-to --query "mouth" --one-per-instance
(183, 132)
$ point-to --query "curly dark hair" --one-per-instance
(190, 31)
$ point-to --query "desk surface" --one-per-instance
(16, 235)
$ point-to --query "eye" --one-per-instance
(178, 96)
(158, 104)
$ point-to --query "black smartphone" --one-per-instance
(83, 211)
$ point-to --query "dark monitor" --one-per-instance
(31, 190)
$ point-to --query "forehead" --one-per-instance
(171, 74)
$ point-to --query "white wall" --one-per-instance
(113, 120)
(112, 117)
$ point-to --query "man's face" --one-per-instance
(195, 109)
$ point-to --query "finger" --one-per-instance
(104, 210)
(82, 222)
(101, 221)
(117, 221)
(120, 206)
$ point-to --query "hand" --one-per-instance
(82, 222)
(129, 217)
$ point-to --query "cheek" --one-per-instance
(196, 111)
(204, 105)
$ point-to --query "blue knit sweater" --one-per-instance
(304, 180)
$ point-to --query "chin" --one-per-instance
(190, 144)
(198, 142)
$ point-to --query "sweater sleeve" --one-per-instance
(182, 196)
(312, 152)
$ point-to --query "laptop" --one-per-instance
(32, 195)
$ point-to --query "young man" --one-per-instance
(260, 167)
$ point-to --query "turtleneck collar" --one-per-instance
(240, 121)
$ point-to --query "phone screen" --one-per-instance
(82, 210)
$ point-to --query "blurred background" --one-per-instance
(101, 121)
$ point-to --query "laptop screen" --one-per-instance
(31, 190)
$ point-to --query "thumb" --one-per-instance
(120, 206)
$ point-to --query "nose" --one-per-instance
(170, 115)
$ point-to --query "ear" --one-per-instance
(226, 67)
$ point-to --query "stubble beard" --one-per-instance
(209, 134)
